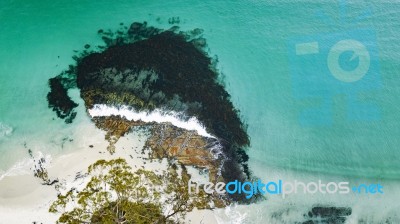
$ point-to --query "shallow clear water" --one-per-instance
(252, 41)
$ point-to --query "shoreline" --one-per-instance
(23, 198)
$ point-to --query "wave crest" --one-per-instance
(157, 115)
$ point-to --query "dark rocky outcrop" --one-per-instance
(327, 215)
(146, 68)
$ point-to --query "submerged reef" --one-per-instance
(146, 68)
(322, 214)
(59, 100)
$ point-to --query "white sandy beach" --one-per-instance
(23, 199)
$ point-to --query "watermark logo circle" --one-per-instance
(359, 50)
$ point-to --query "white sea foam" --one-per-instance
(230, 214)
(26, 166)
(157, 115)
(5, 130)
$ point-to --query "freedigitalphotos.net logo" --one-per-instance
(329, 64)
(283, 188)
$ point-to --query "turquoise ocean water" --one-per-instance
(251, 39)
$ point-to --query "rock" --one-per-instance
(334, 215)
(187, 147)
(116, 127)
(330, 211)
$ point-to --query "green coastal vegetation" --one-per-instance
(117, 194)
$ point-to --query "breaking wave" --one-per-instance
(156, 115)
